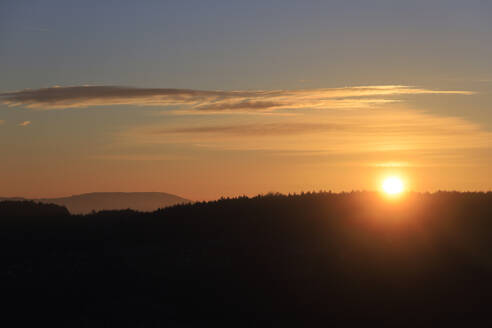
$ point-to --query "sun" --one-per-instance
(393, 186)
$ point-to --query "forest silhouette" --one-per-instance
(310, 259)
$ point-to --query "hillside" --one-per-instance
(308, 260)
(99, 201)
(20, 208)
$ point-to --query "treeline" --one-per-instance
(314, 259)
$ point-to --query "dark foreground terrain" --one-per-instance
(311, 260)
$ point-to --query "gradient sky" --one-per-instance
(220, 98)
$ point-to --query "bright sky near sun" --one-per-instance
(220, 98)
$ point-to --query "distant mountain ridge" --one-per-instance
(98, 201)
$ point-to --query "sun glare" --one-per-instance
(393, 186)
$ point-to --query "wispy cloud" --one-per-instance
(140, 157)
(25, 123)
(333, 132)
(255, 129)
(213, 100)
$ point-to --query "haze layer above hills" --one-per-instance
(98, 201)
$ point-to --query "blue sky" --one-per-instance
(239, 44)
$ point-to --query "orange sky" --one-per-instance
(203, 154)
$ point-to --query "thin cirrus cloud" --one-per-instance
(213, 100)
(335, 132)
(270, 129)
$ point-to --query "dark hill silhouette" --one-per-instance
(24, 208)
(310, 260)
(99, 201)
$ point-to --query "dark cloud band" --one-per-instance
(211, 100)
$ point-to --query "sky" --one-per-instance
(223, 98)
